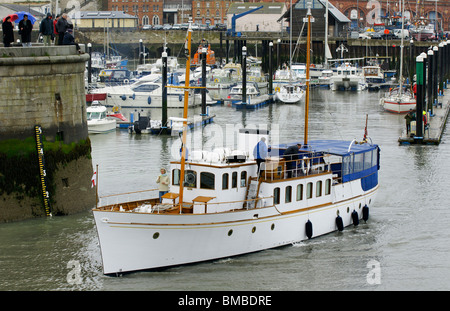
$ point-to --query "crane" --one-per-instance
(232, 32)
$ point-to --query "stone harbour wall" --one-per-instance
(43, 86)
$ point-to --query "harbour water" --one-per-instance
(403, 246)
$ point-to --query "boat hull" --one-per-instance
(101, 126)
(398, 106)
(139, 241)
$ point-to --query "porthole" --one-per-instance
(230, 232)
(156, 235)
(359, 205)
(272, 227)
(348, 209)
(253, 229)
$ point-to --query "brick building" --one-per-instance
(368, 10)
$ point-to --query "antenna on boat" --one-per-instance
(308, 61)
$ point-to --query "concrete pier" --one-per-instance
(436, 124)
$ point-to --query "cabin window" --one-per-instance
(327, 186)
(243, 178)
(319, 188)
(309, 190)
(234, 180)
(358, 162)
(207, 180)
(288, 194)
(225, 181)
(300, 192)
(146, 88)
(176, 177)
(347, 165)
(368, 159)
(276, 196)
(190, 179)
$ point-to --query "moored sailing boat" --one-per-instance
(231, 208)
(400, 99)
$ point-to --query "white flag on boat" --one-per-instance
(93, 179)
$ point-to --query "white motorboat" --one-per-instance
(97, 120)
(146, 93)
(229, 208)
(289, 94)
(347, 77)
(325, 78)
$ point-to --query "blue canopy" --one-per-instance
(336, 147)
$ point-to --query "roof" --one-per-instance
(301, 4)
(101, 15)
(26, 8)
(336, 13)
(267, 8)
(336, 147)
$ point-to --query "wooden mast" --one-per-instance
(308, 64)
(185, 112)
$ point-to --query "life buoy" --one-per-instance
(355, 218)
(309, 229)
(365, 212)
(115, 109)
(216, 80)
(277, 89)
(339, 223)
(126, 81)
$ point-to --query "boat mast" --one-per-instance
(401, 53)
(185, 112)
(326, 34)
(308, 61)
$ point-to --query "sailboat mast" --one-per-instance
(308, 61)
(326, 34)
(401, 53)
(185, 112)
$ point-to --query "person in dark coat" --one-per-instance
(25, 28)
(46, 29)
(61, 27)
(69, 39)
(290, 156)
(8, 32)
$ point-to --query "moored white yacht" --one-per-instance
(347, 77)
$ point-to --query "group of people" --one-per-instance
(58, 30)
